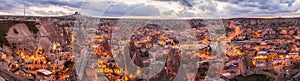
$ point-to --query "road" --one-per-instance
(82, 63)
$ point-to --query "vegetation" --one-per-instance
(69, 64)
(252, 78)
(205, 63)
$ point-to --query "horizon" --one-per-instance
(149, 17)
(224, 9)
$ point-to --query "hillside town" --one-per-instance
(82, 48)
(36, 50)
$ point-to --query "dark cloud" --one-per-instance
(4, 6)
(187, 3)
(51, 2)
(289, 2)
(145, 11)
(121, 9)
(13, 6)
(111, 8)
(263, 4)
(260, 7)
(118, 9)
(29, 3)
(207, 7)
(237, 11)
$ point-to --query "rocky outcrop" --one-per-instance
(28, 34)
(10, 77)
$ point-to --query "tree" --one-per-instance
(69, 64)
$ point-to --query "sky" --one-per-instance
(154, 8)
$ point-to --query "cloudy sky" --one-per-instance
(164, 8)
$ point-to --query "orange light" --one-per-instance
(101, 70)
(239, 52)
(297, 37)
(110, 71)
(237, 31)
(163, 37)
(106, 70)
(256, 48)
(284, 32)
(257, 34)
(161, 43)
(100, 61)
(102, 66)
(130, 76)
(176, 47)
(138, 72)
(117, 71)
(294, 48)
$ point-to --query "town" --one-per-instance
(78, 47)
